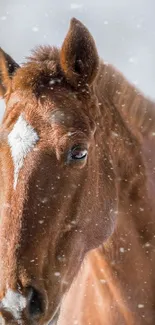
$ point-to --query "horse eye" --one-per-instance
(78, 153)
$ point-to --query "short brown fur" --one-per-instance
(61, 209)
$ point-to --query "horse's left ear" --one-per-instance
(7, 68)
(79, 58)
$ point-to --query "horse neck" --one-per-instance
(137, 110)
(127, 118)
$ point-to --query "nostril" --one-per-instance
(36, 303)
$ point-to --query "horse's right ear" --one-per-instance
(78, 56)
(7, 68)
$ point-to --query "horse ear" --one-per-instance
(79, 58)
(7, 68)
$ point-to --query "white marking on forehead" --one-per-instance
(22, 140)
(14, 303)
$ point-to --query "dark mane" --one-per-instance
(39, 69)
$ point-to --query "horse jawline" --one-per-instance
(55, 316)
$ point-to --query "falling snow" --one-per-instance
(35, 29)
(124, 33)
(3, 17)
(74, 6)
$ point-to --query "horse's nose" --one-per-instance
(29, 306)
(36, 303)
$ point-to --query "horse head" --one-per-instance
(57, 184)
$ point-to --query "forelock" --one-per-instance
(41, 69)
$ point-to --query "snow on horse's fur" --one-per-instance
(76, 171)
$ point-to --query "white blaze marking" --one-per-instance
(14, 302)
(22, 140)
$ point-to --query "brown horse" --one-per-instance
(77, 168)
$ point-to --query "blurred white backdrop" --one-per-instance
(124, 31)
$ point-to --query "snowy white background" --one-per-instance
(124, 31)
